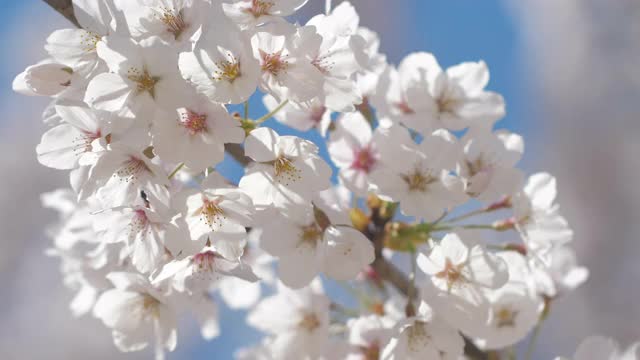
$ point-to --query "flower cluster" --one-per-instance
(149, 230)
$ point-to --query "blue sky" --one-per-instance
(454, 30)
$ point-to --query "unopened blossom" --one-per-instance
(487, 164)
(538, 216)
(599, 347)
(335, 57)
(303, 116)
(220, 214)
(284, 53)
(423, 97)
(249, 13)
(44, 79)
(286, 169)
(419, 176)
(142, 77)
(199, 271)
(367, 337)
(175, 21)
(221, 65)
(356, 151)
(138, 314)
(195, 133)
(298, 320)
(423, 337)
(119, 176)
(460, 270)
(147, 234)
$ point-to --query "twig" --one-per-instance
(65, 8)
(237, 152)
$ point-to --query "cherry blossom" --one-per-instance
(221, 65)
(287, 170)
(195, 134)
(138, 314)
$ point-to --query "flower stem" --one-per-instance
(246, 110)
(175, 171)
(272, 113)
(534, 339)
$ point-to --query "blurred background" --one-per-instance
(568, 70)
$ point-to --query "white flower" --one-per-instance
(424, 97)
(44, 79)
(76, 48)
(220, 213)
(142, 77)
(138, 314)
(538, 218)
(459, 273)
(298, 319)
(335, 202)
(198, 272)
(418, 176)
(598, 347)
(335, 57)
(301, 116)
(368, 335)
(514, 309)
(119, 176)
(147, 234)
(284, 52)
(307, 245)
(175, 21)
(71, 143)
(249, 13)
(423, 337)
(487, 165)
(562, 275)
(355, 150)
(287, 169)
(221, 64)
(195, 134)
(239, 293)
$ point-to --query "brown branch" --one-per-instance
(237, 152)
(65, 8)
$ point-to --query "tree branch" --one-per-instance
(65, 8)
(237, 152)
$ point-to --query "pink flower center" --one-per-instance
(364, 159)
(211, 213)
(132, 169)
(139, 222)
(259, 8)
(323, 63)
(404, 108)
(192, 121)
(174, 21)
(204, 261)
(82, 144)
(274, 63)
(317, 112)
